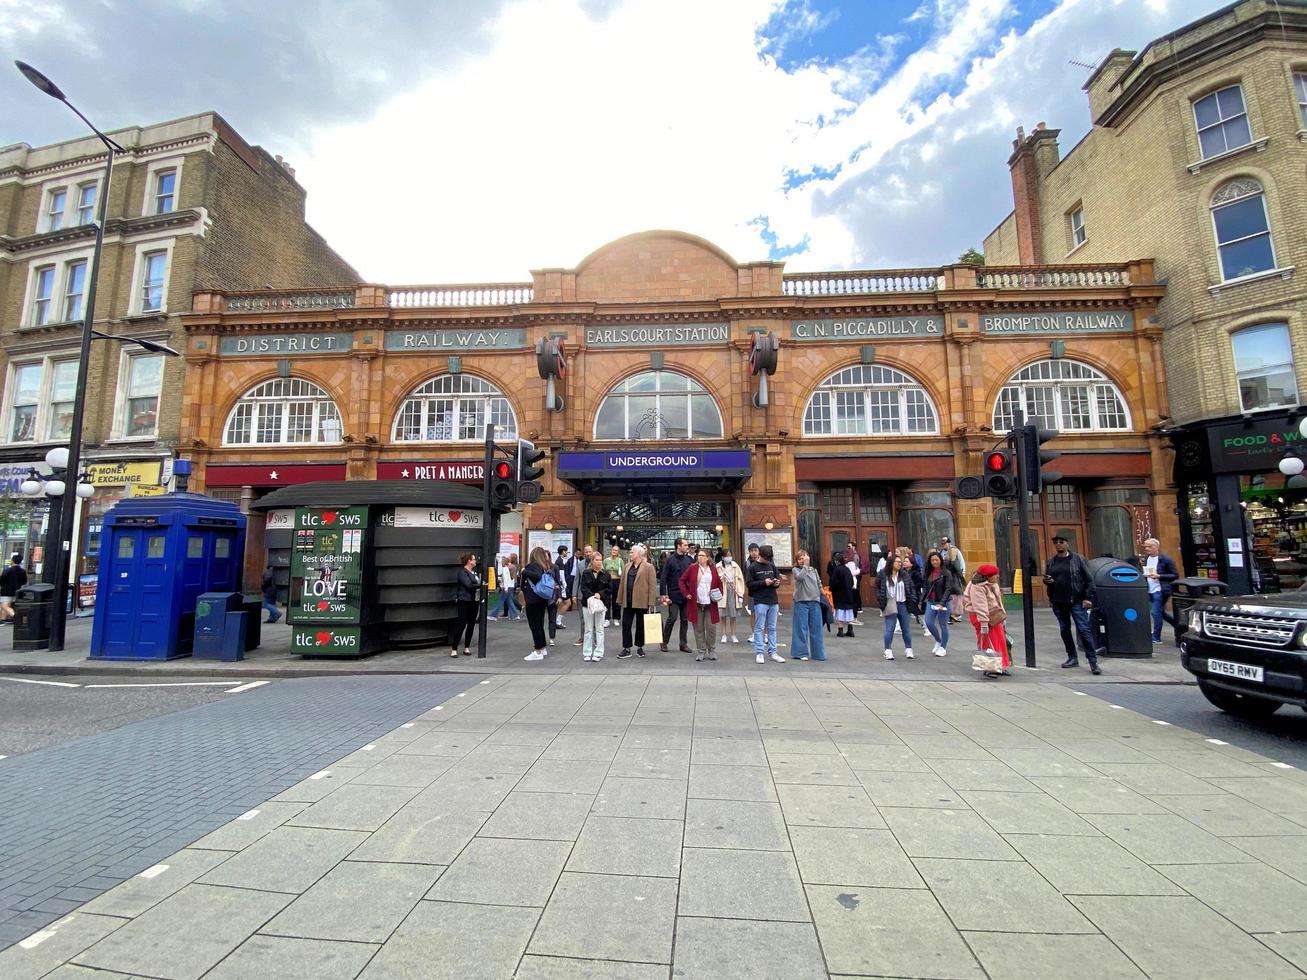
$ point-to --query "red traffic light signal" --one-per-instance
(999, 479)
(503, 470)
(503, 483)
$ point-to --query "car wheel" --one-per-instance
(1240, 705)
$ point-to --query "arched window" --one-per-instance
(283, 411)
(1243, 230)
(869, 400)
(454, 408)
(1063, 395)
(658, 405)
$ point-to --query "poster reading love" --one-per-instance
(327, 558)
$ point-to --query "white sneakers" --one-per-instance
(778, 658)
(535, 655)
(940, 651)
(607, 624)
(889, 654)
(760, 659)
(908, 653)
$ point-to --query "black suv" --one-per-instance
(1249, 653)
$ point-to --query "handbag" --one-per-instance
(715, 595)
(653, 624)
(596, 603)
(987, 662)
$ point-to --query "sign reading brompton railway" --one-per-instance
(657, 335)
(1100, 321)
(491, 338)
(866, 328)
(276, 344)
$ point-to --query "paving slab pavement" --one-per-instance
(603, 825)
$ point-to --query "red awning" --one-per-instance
(270, 474)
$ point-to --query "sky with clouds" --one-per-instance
(451, 141)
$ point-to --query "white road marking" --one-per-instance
(407, 724)
(24, 680)
(485, 682)
(153, 872)
(439, 707)
(1081, 693)
(169, 684)
(368, 748)
(321, 775)
(1217, 741)
(248, 687)
(1118, 707)
(463, 695)
(36, 939)
(248, 815)
(1156, 722)
(4, 757)
(1281, 765)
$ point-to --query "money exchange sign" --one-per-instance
(327, 555)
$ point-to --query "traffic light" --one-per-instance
(1033, 475)
(503, 483)
(969, 488)
(1000, 481)
(528, 472)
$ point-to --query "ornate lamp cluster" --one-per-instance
(55, 484)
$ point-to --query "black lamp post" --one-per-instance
(62, 557)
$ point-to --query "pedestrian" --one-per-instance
(539, 587)
(508, 585)
(917, 568)
(983, 599)
(733, 593)
(702, 588)
(565, 572)
(1160, 571)
(613, 565)
(844, 595)
(853, 563)
(763, 579)
(595, 595)
(467, 597)
(7, 596)
(1071, 594)
(942, 587)
(579, 567)
(897, 595)
(638, 588)
(954, 558)
(751, 556)
(670, 593)
(806, 639)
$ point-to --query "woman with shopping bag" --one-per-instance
(983, 602)
(637, 592)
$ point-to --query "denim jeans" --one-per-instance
(1079, 616)
(806, 640)
(764, 625)
(271, 609)
(903, 618)
(937, 623)
(1158, 602)
(593, 637)
(508, 605)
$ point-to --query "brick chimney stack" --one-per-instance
(1032, 158)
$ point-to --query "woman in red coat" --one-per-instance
(702, 587)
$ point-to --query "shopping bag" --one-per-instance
(653, 626)
(987, 662)
(595, 604)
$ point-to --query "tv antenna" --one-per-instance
(1081, 64)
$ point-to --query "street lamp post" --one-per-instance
(63, 552)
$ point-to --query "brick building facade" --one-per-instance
(1196, 158)
(191, 206)
(890, 385)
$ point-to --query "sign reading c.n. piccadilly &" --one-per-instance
(868, 328)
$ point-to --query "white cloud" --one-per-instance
(569, 131)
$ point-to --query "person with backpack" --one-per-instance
(540, 589)
(942, 586)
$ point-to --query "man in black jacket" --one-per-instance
(12, 579)
(1071, 594)
(669, 590)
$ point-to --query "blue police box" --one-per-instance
(158, 555)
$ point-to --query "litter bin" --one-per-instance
(33, 610)
(212, 624)
(1185, 592)
(1121, 619)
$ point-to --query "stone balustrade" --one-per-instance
(862, 282)
(1052, 276)
(464, 294)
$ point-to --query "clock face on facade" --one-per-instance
(1191, 454)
